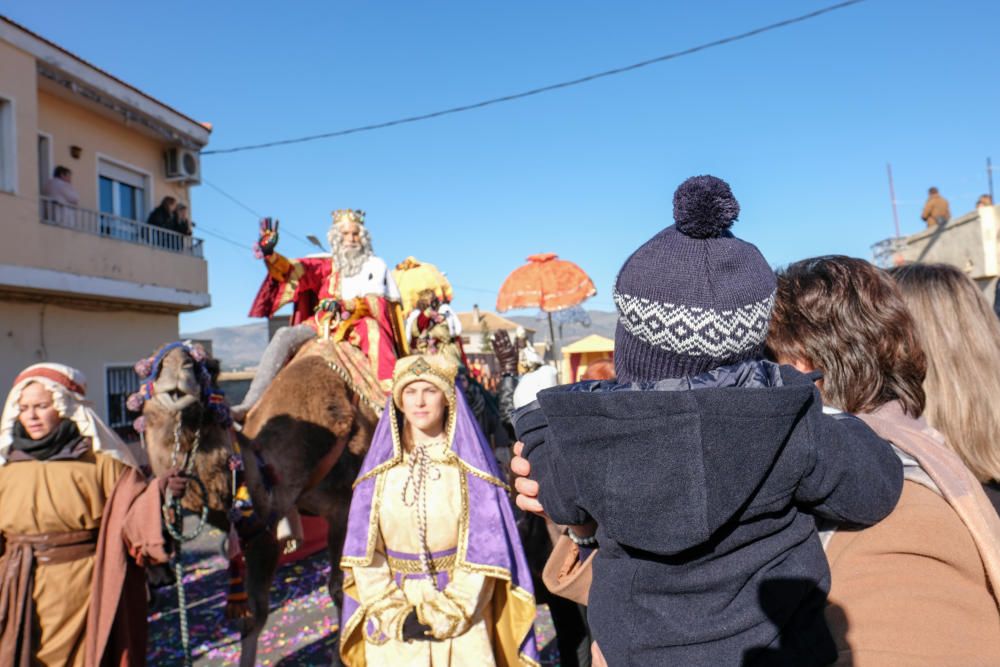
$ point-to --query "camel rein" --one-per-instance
(173, 519)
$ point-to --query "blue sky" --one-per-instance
(800, 121)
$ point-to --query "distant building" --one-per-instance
(577, 357)
(90, 285)
(475, 323)
(968, 241)
(236, 384)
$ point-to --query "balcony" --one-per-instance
(121, 229)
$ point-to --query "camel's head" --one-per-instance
(177, 387)
(179, 382)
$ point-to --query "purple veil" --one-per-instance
(488, 539)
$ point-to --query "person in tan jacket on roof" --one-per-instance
(936, 210)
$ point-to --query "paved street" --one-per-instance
(302, 628)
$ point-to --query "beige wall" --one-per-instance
(17, 83)
(88, 340)
(44, 246)
(969, 242)
(71, 124)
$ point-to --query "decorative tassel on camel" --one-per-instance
(237, 603)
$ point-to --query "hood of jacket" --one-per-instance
(663, 466)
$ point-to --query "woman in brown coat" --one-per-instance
(917, 589)
(78, 519)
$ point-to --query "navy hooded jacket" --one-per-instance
(705, 491)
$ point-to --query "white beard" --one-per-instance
(350, 260)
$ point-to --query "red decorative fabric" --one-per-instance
(305, 290)
(55, 376)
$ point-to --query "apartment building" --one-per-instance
(90, 284)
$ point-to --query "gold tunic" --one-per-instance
(460, 614)
(58, 496)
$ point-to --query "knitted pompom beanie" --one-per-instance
(693, 297)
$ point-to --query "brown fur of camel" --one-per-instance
(307, 416)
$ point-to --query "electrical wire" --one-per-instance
(221, 237)
(250, 210)
(233, 199)
(543, 89)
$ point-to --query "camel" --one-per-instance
(309, 426)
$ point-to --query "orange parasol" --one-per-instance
(545, 282)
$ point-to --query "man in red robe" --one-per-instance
(350, 296)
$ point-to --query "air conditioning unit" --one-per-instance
(182, 165)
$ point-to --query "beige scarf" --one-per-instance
(955, 483)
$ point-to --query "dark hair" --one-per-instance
(61, 171)
(848, 319)
(932, 191)
(168, 200)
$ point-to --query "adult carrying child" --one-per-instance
(704, 465)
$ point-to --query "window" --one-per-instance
(121, 383)
(122, 191)
(8, 147)
(44, 160)
(121, 199)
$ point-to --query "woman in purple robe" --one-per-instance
(434, 570)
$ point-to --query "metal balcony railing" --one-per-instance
(122, 229)
(886, 252)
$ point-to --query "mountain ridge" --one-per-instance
(239, 347)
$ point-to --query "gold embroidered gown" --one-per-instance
(456, 605)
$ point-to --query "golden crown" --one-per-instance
(433, 369)
(345, 215)
(419, 366)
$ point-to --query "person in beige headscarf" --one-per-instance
(78, 519)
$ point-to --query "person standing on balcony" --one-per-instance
(182, 220)
(60, 191)
(163, 215)
(60, 187)
(936, 209)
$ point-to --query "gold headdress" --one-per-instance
(433, 369)
(345, 215)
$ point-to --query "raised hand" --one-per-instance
(268, 237)
(505, 352)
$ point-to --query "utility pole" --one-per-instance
(989, 178)
(892, 196)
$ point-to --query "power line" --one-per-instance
(543, 89)
(221, 237)
(250, 210)
(233, 199)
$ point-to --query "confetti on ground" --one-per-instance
(300, 632)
